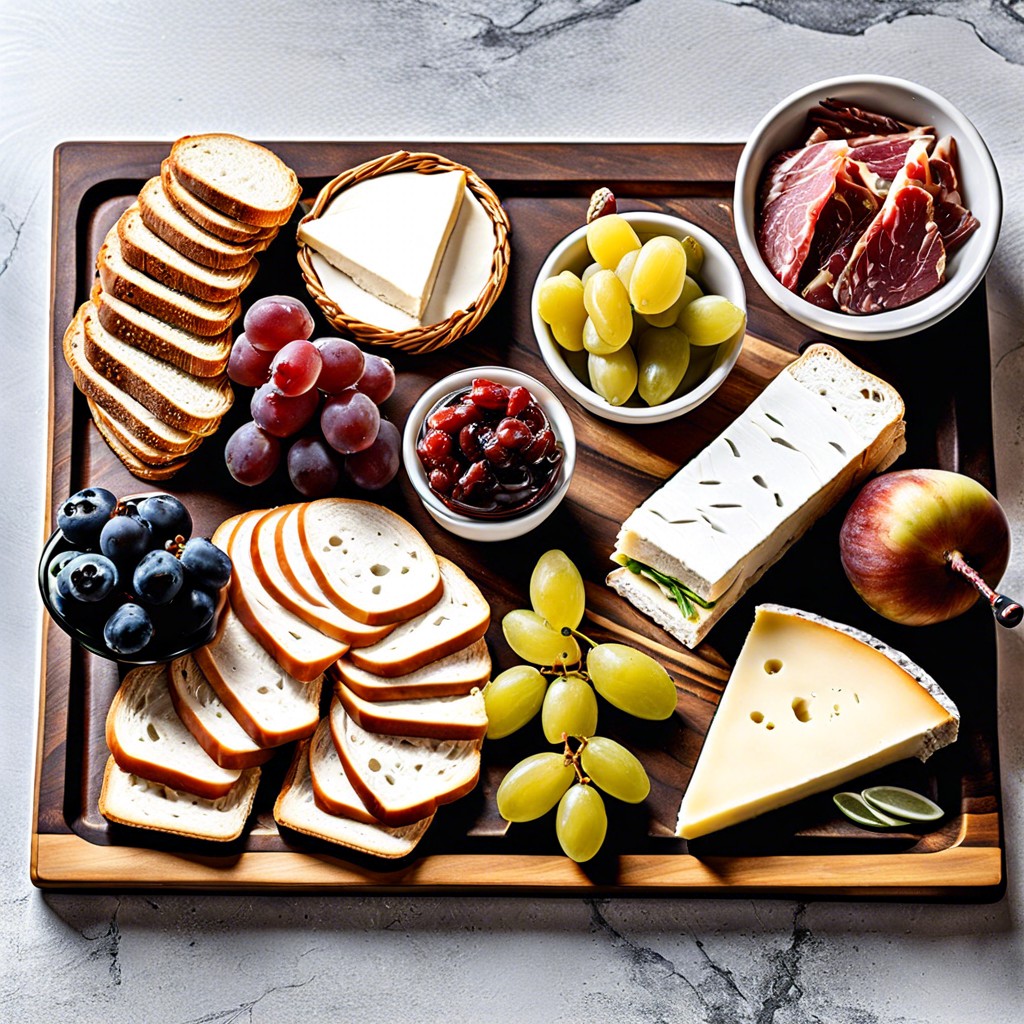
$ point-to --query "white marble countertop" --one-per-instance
(475, 69)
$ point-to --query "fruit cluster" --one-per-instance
(637, 309)
(489, 449)
(299, 381)
(131, 571)
(546, 635)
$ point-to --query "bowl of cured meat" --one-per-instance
(867, 207)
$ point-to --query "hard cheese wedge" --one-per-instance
(810, 705)
(389, 233)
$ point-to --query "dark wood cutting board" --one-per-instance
(943, 375)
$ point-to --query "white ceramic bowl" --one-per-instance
(489, 529)
(783, 127)
(719, 275)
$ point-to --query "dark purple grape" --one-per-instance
(295, 368)
(343, 363)
(282, 415)
(158, 577)
(82, 516)
(376, 466)
(274, 320)
(193, 609)
(166, 517)
(378, 378)
(88, 578)
(251, 455)
(125, 539)
(350, 421)
(312, 467)
(205, 564)
(58, 562)
(128, 630)
(248, 366)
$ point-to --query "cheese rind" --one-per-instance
(810, 704)
(388, 233)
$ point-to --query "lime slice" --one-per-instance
(902, 802)
(854, 807)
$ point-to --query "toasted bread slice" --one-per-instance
(402, 779)
(296, 808)
(270, 704)
(170, 393)
(150, 254)
(208, 719)
(321, 614)
(237, 177)
(369, 561)
(129, 799)
(459, 618)
(220, 224)
(450, 718)
(163, 218)
(147, 738)
(126, 447)
(293, 643)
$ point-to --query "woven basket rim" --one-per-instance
(426, 337)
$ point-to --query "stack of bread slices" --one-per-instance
(333, 589)
(150, 347)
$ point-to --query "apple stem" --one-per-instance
(1007, 611)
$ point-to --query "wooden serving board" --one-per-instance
(804, 850)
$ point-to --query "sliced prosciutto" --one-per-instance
(955, 222)
(794, 192)
(880, 158)
(833, 119)
(900, 258)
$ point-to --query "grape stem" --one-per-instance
(1007, 611)
(573, 757)
(569, 631)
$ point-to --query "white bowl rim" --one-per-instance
(890, 323)
(559, 369)
(513, 526)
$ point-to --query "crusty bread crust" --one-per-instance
(220, 168)
(160, 467)
(220, 224)
(450, 718)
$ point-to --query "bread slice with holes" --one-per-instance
(452, 718)
(270, 704)
(129, 799)
(458, 619)
(332, 788)
(269, 560)
(240, 178)
(402, 779)
(298, 647)
(695, 546)
(452, 676)
(146, 737)
(209, 720)
(150, 254)
(368, 561)
(296, 809)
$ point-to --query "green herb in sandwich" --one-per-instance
(684, 597)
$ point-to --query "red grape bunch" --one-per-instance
(299, 381)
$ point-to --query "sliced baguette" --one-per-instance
(163, 218)
(451, 676)
(220, 224)
(208, 719)
(129, 799)
(167, 391)
(119, 405)
(296, 809)
(293, 643)
(123, 281)
(149, 253)
(320, 614)
(831, 425)
(332, 788)
(369, 561)
(271, 705)
(237, 177)
(402, 779)
(458, 619)
(147, 738)
(449, 718)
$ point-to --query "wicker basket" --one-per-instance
(427, 337)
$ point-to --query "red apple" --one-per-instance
(918, 545)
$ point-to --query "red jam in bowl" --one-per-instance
(489, 451)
